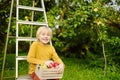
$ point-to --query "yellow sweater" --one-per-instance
(39, 53)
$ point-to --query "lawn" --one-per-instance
(75, 69)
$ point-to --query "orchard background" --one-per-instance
(86, 34)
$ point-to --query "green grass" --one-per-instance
(75, 69)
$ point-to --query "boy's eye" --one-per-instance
(48, 34)
(45, 34)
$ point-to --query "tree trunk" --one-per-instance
(105, 60)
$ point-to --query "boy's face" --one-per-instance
(44, 37)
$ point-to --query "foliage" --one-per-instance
(113, 48)
(82, 28)
(4, 14)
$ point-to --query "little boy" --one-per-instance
(42, 53)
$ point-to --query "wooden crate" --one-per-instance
(48, 73)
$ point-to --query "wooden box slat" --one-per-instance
(48, 73)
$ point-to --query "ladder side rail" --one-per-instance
(17, 29)
(17, 17)
(16, 39)
(45, 17)
(16, 68)
(16, 58)
(31, 30)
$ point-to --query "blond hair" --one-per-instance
(42, 29)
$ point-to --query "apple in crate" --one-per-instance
(54, 65)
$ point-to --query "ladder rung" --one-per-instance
(30, 8)
(26, 77)
(25, 39)
(21, 57)
(31, 22)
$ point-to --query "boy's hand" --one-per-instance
(49, 63)
(60, 68)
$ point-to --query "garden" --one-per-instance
(86, 36)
